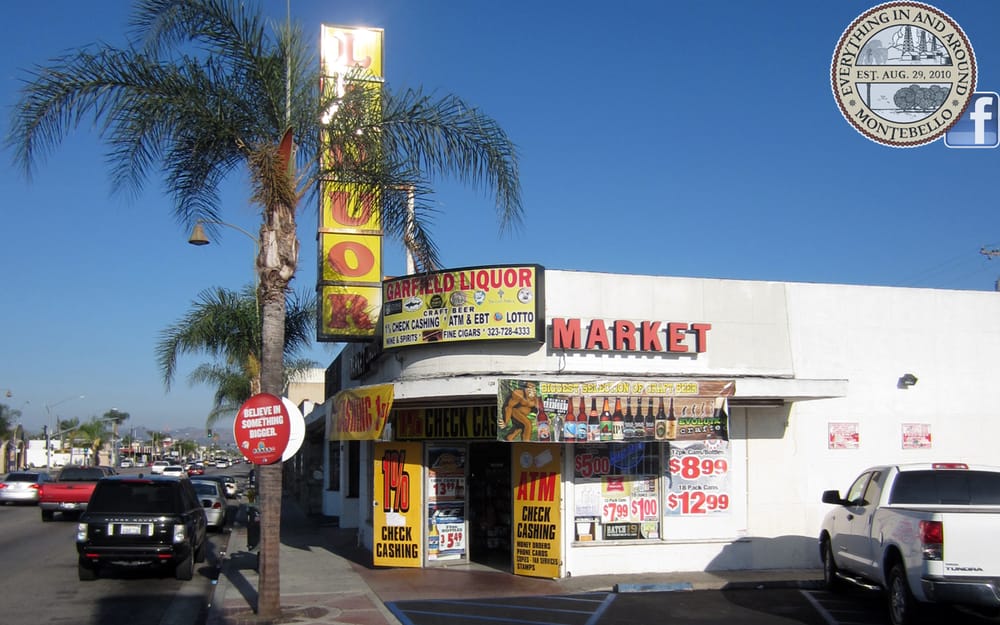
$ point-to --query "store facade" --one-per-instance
(728, 407)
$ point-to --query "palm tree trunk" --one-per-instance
(276, 264)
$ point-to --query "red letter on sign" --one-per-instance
(675, 337)
(345, 307)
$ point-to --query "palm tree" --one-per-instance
(203, 90)
(116, 418)
(95, 433)
(226, 325)
(156, 440)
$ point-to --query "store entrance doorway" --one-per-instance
(490, 505)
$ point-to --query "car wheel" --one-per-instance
(185, 568)
(47, 515)
(86, 570)
(902, 604)
(199, 554)
(831, 580)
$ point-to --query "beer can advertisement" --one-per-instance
(398, 491)
(613, 411)
(470, 304)
(537, 525)
(262, 428)
(699, 483)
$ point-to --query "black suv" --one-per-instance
(155, 520)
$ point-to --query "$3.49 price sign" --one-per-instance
(629, 509)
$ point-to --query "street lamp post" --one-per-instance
(45, 428)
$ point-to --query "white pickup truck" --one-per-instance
(920, 532)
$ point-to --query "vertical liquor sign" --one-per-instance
(398, 500)
(349, 282)
(537, 523)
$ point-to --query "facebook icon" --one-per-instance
(978, 126)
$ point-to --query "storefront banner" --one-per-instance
(397, 512)
(612, 411)
(537, 524)
(446, 523)
(698, 481)
(472, 304)
(457, 422)
(360, 414)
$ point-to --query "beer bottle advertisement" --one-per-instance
(542, 411)
(397, 514)
(537, 524)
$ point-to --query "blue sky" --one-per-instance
(676, 139)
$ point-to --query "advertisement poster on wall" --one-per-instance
(398, 490)
(698, 481)
(916, 436)
(446, 530)
(614, 411)
(537, 493)
(844, 436)
(616, 491)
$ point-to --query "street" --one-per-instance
(40, 584)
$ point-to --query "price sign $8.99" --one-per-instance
(695, 467)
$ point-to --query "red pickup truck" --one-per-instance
(70, 493)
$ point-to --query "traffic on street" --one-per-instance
(40, 582)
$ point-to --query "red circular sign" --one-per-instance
(262, 428)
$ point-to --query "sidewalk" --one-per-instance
(325, 579)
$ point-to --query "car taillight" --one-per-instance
(40, 491)
(81, 533)
(949, 465)
(36, 487)
(179, 533)
(932, 539)
(216, 505)
(3, 485)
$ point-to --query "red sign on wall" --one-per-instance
(262, 428)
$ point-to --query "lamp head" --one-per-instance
(198, 235)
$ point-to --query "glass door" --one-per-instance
(447, 525)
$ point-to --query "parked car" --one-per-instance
(213, 500)
(22, 486)
(174, 470)
(125, 464)
(157, 467)
(923, 533)
(227, 482)
(155, 521)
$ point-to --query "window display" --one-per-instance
(617, 491)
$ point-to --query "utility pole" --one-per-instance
(990, 254)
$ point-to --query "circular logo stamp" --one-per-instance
(903, 74)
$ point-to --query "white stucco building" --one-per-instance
(828, 379)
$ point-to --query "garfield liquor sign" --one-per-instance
(470, 304)
(350, 228)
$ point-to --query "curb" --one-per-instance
(804, 584)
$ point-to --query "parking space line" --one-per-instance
(819, 608)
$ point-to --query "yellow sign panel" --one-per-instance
(348, 312)
(359, 414)
(471, 304)
(398, 504)
(537, 524)
(344, 48)
(350, 257)
(350, 226)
